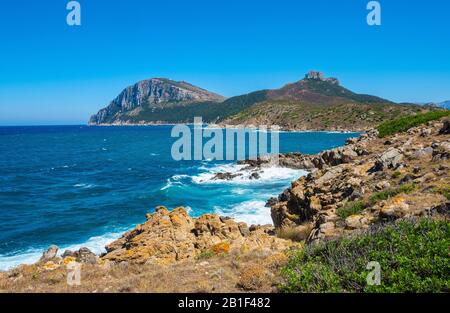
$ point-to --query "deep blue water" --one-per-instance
(79, 186)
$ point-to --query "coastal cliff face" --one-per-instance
(151, 94)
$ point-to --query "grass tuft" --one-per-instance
(351, 208)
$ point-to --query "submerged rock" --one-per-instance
(225, 176)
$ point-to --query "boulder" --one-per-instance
(425, 132)
(83, 255)
(395, 208)
(422, 153)
(338, 156)
(50, 253)
(445, 130)
(356, 222)
(441, 151)
(390, 159)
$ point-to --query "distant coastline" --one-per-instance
(222, 126)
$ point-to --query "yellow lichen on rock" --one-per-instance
(51, 266)
(169, 236)
(68, 260)
(220, 248)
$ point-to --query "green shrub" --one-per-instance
(351, 208)
(413, 257)
(382, 195)
(205, 255)
(391, 192)
(404, 123)
(406, 188)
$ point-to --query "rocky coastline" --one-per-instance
(369, 181)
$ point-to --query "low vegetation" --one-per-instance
(444, 190)
(413, 257)
(351, 208)
(404, 123)
(355, 207)
(391, 192)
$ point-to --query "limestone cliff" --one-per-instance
(152, 94)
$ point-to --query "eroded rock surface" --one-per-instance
(367, 181)
(169, 236)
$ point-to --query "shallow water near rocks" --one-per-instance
(77, 186)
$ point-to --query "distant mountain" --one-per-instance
(315, 102)
(138, 102)
(319, 103)
(445, 105)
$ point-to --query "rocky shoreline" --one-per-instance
(370, 180)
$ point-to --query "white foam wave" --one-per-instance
(273, 173)
(239, 191)
(28, 257)
(96, 244)
(174, 180)
(179, 177)
(250, 212)
(84, 186)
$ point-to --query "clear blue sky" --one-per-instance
(51, 73)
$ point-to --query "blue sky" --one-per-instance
(51, 73)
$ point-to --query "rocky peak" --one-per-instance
(315, 75)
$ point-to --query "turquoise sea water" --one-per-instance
(77, 186)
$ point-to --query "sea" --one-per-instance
(84, 186)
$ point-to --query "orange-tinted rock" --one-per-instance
(167, 237)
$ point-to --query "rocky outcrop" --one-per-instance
(445, 130)
(50, 253)
(169, 236)
(83, 255)
(314, 75)
(369, 180)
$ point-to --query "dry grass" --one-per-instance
(297, 233)
(222, 273)
(252, 277)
